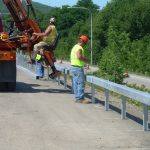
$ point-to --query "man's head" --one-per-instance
(83, 40)
(52, 20)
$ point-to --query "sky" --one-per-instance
(59, 3)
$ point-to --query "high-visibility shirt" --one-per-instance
(51, 38)
(38, 57)
(74, 60)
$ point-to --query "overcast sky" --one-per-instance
(59, 3)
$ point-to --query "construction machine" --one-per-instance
(24, 41)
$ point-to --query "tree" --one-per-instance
(110, 64)
(87, 4)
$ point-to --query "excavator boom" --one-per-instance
(21, 16)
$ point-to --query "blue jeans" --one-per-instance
(78, 82)
(40, 70)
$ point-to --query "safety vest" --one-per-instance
(51, 38)
(38, 57)
(74, 60)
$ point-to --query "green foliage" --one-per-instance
(139, 57)
(37, 6)
(110, 67)
(111, 63)
(87, 4)
(129, 19)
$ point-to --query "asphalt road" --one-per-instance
(41, 115)
(138, 80)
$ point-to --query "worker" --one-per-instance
(78, 60)
(50, 37)
(39, 68)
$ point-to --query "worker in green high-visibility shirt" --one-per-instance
(39, 67)
(48, 44)
(78, 60)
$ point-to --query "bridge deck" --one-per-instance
(41, 115)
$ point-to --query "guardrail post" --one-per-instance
(93, 93)
(58, 79)
(65, 79)
(22, 60)
(145, 117)
(123, 108)
(72, 88)
(48, 73)
(34, 67)
(107, 100)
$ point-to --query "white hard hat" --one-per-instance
(52, 20)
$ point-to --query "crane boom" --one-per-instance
(20, 15)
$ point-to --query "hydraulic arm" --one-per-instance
(23, 23)
(21, 16)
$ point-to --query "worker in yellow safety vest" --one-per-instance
(78, 60)
(50, 37)
(39, 67)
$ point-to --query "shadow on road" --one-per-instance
(118, 110)
(36, 88)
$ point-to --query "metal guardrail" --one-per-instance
(124, 91)
(22, 62)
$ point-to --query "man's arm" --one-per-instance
(47, 31)
(80, 56)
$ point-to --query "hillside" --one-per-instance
(37, 6)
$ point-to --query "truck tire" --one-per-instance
(3, 86)
(11, 86)
(7, 86)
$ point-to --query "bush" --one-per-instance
(110, 67)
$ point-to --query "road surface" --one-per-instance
(138, 80)
(41, 115)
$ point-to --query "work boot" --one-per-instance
(37, 77)
(54, 75)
